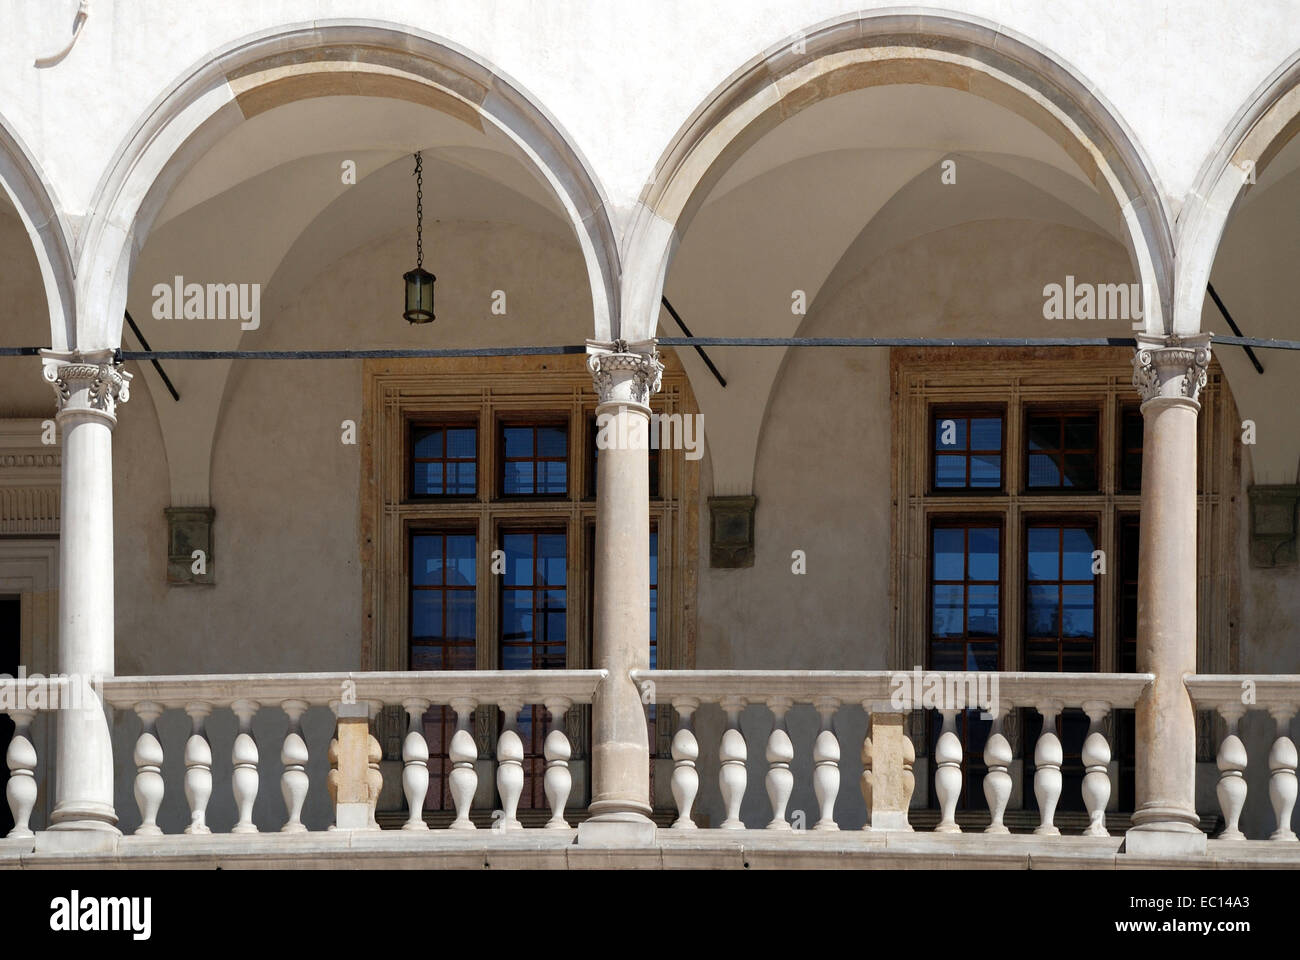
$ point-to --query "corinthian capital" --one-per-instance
(86, 383)
(1171, 366)
(623, 372)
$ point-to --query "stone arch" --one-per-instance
(891, 47)
(325, 58)
(38, 208)
(1265, 123)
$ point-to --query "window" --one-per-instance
(1054, 473)
(534, 630)
(1131, 450)
(1061, 451)
(444, 460)
(966, 596)
(534, 460)
(1060, 597)
(444, 573)
(965, 625)
(967, 450)
(478, 455)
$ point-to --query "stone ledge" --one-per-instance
(671, 849)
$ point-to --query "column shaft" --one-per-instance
(88, 389)
(624, 380)
(1169, 375)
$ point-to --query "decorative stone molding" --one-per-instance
(731, 531)
(87, 383)
(1273, 524)
(623, 372)
(189, 529)
(30, 471)
(1171, 366)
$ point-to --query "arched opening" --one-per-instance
(1239, 239)
(894, 178)
(297, 503)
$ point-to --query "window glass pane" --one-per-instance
(444, 461)
(1044, 434)
(985, 471)
(1043, 471)
(426, 560)
(1044, 553)
(949, 553)
(1041, 610)
(518, 441)
(462, 443)
(1081, 471)
(982, 610)
(950, 433)
(519, 558)
(967, 451)
(552, 441)
(949, 471)
(428, 443)
(983, 563)
(1078, 615)
(1079, 545)
(986, 433)
(948, 614)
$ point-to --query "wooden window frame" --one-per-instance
(1093, 378)
(1063, 412)
(968, 412)
(449, 421)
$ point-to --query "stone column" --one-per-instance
(1169, 374)
(88, 387)
(625, 377)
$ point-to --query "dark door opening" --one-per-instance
(10, 620)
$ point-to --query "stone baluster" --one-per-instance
(244, 777)
(867, 757)
(20, 791)
(780, 754)
(1096, 769)
(415, 764)
(198, 768)
(462, 752)
(826, 764)
(685, 751)
(510, 767)
(558, 781)
(294, 756)
(374, 773)
(1231, 762)
(1282, 773)
(947, 773)
(732, 775)
(1048, 758)
(909, 777)
(997, 782)
(148, 769)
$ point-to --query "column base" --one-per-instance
(1167, 841)
(616, 828)
(85, 815)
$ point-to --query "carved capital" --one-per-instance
(622, 372)
(1171, 366)
(86, 383)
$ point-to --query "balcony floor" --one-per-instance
(673, 849)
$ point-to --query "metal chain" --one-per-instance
(419, 211)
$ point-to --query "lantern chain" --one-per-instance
(419, 211)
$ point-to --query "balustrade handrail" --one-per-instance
(1015, 689)
(439, 687)
(1212, 691)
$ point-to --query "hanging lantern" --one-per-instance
(419, 282)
